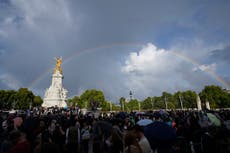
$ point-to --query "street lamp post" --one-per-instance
(30, 105)
(166, 103)
(181, 102)
(152, 102)
(123, 105)
(139, 106)
(110, 106)
(13, 104)
(85, 104)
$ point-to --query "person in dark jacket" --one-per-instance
(20, 143)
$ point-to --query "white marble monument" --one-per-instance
(55, 95)
(198, 102)
(207, 105)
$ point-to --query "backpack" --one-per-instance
(85, 134)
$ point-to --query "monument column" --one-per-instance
(198, 102)
(55, 95)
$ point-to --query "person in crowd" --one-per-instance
(131, 143)
(59, 136)
(45, 144)
(157, 116)
(72, 138)
(85, 135)
(7, 128)
(52, 127)
(143, 142)
(116, 142)
(191, 125)
(19, 143)
(127, 124)
(97, 137)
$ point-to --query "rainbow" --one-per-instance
(79, 53)
(210, 72)
(98, 48)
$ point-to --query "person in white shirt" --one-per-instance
(143, 141)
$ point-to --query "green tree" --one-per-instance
(2, 101)
(133, 105)
(75, 101)
(7, 98)
(21, 99)
(177, 99)
(168, 99)
(189, 99)
(122, 103)
(94, 99)
(24, 99)
(37, 101)
(158, 103)
(107, 106)
(185, 98)
(225, 100)
(69, 102)
(216, 96)
(117, 107)
(147, 104)
(10, 99)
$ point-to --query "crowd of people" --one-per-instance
(71, 131)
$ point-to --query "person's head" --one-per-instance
(138, 130)
(4, 125)
(42, 125)
(157, 116)
(130, 139)
(77, 124)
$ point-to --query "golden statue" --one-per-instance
(58, 65)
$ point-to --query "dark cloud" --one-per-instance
(33, 32)
(221, 55)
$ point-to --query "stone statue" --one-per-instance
(56, 95)
(58, 65)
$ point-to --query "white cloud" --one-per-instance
(149, 60)
(151, 71)
(210, 67)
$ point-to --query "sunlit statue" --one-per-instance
(58, 65)
(56, 94)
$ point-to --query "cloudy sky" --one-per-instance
(147, 46)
